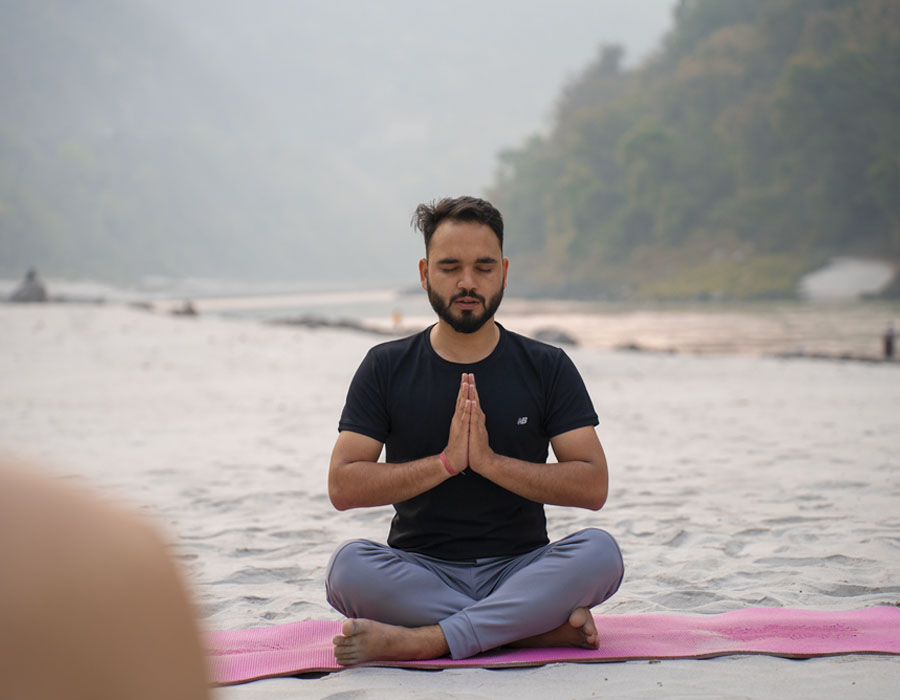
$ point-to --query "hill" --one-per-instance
(760, 141)
(125, 152)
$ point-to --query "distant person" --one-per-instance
(466, 411)
(91, 605)
(31, 289)
(889, 337)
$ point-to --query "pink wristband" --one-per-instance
(447, 465)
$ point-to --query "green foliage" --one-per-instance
(766, 131)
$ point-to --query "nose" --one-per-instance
(466, 279)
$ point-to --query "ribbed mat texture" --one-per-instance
(238, 656)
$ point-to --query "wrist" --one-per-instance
(487, 462)
(449, 467)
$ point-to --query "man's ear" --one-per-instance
(505, 271)
(423, 273)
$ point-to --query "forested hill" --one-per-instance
(762, 139)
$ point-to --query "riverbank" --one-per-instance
(736, 481)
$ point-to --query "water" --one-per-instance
(838, 329)
(833, 329)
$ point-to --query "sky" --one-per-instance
(315, 127)
(464, 79)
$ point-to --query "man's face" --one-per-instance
(464, 274)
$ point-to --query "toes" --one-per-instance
(582, 620)
(580, 617)
(346, 655)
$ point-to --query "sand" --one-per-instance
(735, 481)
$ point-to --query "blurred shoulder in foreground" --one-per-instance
(91, 605)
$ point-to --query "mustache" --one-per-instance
(467, 294)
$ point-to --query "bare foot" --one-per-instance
(367, 640)
(578, 631)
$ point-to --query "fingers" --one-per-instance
(473, 392)
(461, 413)
(467, 398)
(463, 393)
(476, 411)
(480, 453)
(467, 425)
(457, 450)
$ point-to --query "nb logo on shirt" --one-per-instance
(522, 421)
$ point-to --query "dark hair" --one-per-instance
(428, 217)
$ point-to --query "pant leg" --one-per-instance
(581, 570)
(373, 581)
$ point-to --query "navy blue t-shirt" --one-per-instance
(404, 395)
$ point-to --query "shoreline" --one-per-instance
(839, 333)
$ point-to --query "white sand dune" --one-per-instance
(736, 481)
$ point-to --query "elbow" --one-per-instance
(597, 501)
(597, 495)
(601, 489)
(338, 496)
(338, 503)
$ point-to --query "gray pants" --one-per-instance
(479, 604)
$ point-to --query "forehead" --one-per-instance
(464, 239)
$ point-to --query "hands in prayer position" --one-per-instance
(468, 445)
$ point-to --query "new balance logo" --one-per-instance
(522, 421)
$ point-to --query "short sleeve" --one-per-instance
(365, 410)
(568, 403)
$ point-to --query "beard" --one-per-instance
(468, 321)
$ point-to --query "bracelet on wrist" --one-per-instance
(447, 465)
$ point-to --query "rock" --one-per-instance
(186, 309)
(554, 336)
(31, 289)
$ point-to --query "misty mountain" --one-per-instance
(277, 140)
(127, 151)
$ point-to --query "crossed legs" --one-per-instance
(406, 606)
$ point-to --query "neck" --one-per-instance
(464, 348)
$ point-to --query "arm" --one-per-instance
(580, 478)
(356, 479)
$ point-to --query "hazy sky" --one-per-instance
(475, 75)
(415, 99)
(318, 125)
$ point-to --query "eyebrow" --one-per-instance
(485, 260)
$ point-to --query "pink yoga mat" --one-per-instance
(238, 656)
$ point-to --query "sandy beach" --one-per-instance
(736, 481)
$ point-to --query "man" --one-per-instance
(465, 410)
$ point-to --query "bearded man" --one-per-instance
(465, 411)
